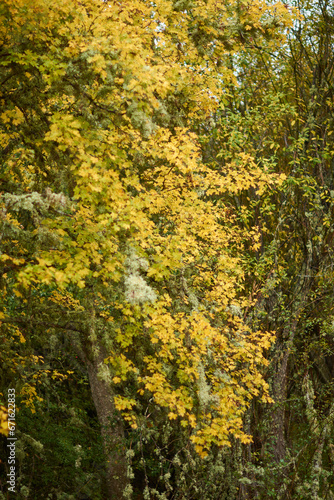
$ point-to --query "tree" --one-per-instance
(281, 115)
(111, 228)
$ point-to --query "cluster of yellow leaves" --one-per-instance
(66, 300)
(29, 396)
(3, 420)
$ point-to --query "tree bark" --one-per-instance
(280, 396)
(111, 430)
(280, 380)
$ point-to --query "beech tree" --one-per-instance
(114, 230)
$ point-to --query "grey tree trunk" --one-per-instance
(280, 379)
(92, 353)
(111, 430)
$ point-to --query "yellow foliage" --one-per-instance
(3, 420)
(120, 92)
(29, 397)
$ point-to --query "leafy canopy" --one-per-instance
(109, 209)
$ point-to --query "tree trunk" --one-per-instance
(280, 380)
(111, 430)
(92, 353)
(280, 396)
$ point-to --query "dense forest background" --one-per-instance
(166, 249)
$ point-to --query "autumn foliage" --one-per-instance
(114, 228)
